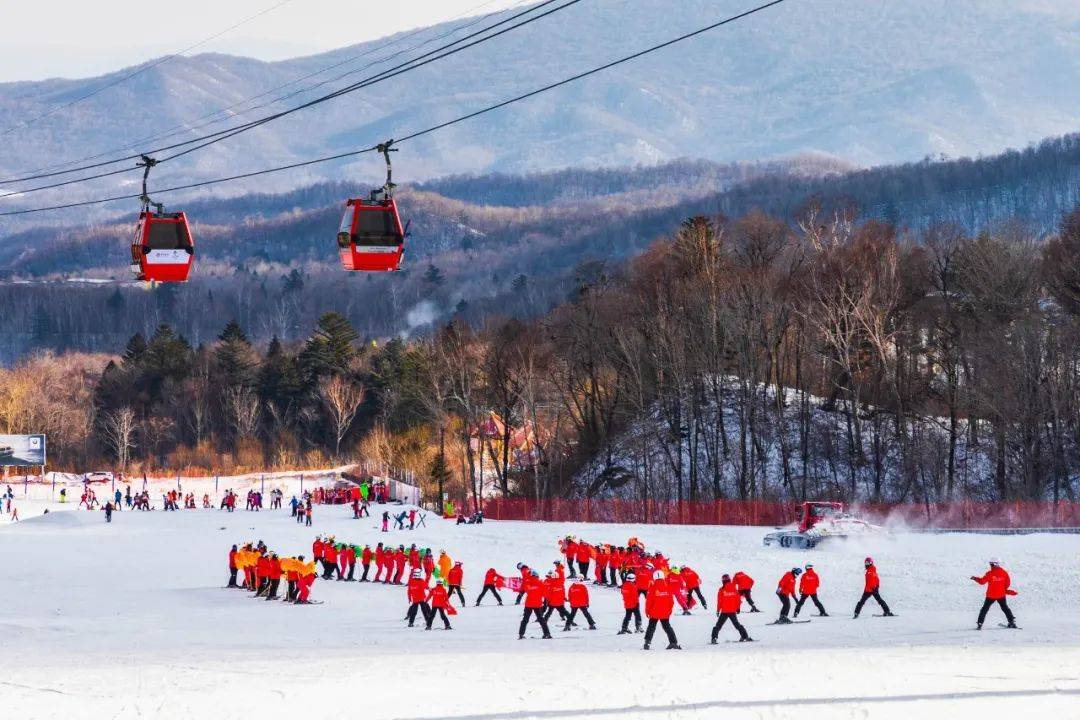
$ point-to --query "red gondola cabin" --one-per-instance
(162, 250)
(371, 237)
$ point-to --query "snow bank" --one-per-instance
(130, 620)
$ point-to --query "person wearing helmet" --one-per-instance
(785, 590)
(630, 599)
(569, 550)
(399, 564)
(273, 574)
(232, 567)
(997, 584)
(366, 556)
(728, 604)
(808, 588)
(453, 579)
(659, 603)
(526, 573)
(555, 596)
(417, 593)
(871, 589)
(440, 601)
(492, 582)
(533, 590)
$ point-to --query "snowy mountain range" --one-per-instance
(868, 82)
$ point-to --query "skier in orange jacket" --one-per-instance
(997, 584)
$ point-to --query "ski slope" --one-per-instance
(130, 620)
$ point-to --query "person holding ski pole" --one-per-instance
(786, 590)
(808, 588)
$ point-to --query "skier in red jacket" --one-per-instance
(692, 581)
(454, 578)
(583, 554)
(728, 604)
(569, 550)
(808, 588)
(440, 600)
(417, 592)
(399, 564)
(659, 603)
(997, 584)
(273, 574)
(630, 600)
(526, 573)
(365, 560)
(579, 601)
(871, 589)
(555, 597)
(492, 581)
(745, 583)
(533, 589)
(785, 590)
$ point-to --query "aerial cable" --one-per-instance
(425, 59)
(140, 70)
(433, 128)
(196, 124)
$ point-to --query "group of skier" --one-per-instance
(261, 572)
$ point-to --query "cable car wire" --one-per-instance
(426, 131)
(421, 60)
(140, 70)
(196, 124)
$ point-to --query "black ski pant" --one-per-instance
(553, 608)
(486, 590)
(290, 590)
(352, 569)
(1004, 608)
(539, 614)
(272, 593)
(614, 577)
(785, 604)
(263, 584)
(724, 617)
(802, 599)
(700, 597)
(232, 577)
(749, 600)
(573, 614)
(866, 596)
(583, 569)
(367, 566)
(632, 613)
(571, 568)
(521, 594)
(457, 589)
(442, 614)
(423, 607)
(307, 519)
(666, 624)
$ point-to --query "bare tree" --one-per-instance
(242, 411)
(341, 398)
(118, 432)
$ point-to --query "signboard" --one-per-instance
(22, 450)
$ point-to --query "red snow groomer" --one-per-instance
(816, 522)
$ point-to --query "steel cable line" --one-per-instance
(419, 61)
(140, 71)
(433, 128)
(196, 124)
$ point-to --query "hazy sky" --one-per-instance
(78, 38)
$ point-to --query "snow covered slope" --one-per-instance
(130, 620)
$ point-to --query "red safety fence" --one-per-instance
(958, 515)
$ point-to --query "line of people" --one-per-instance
(261, 572)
